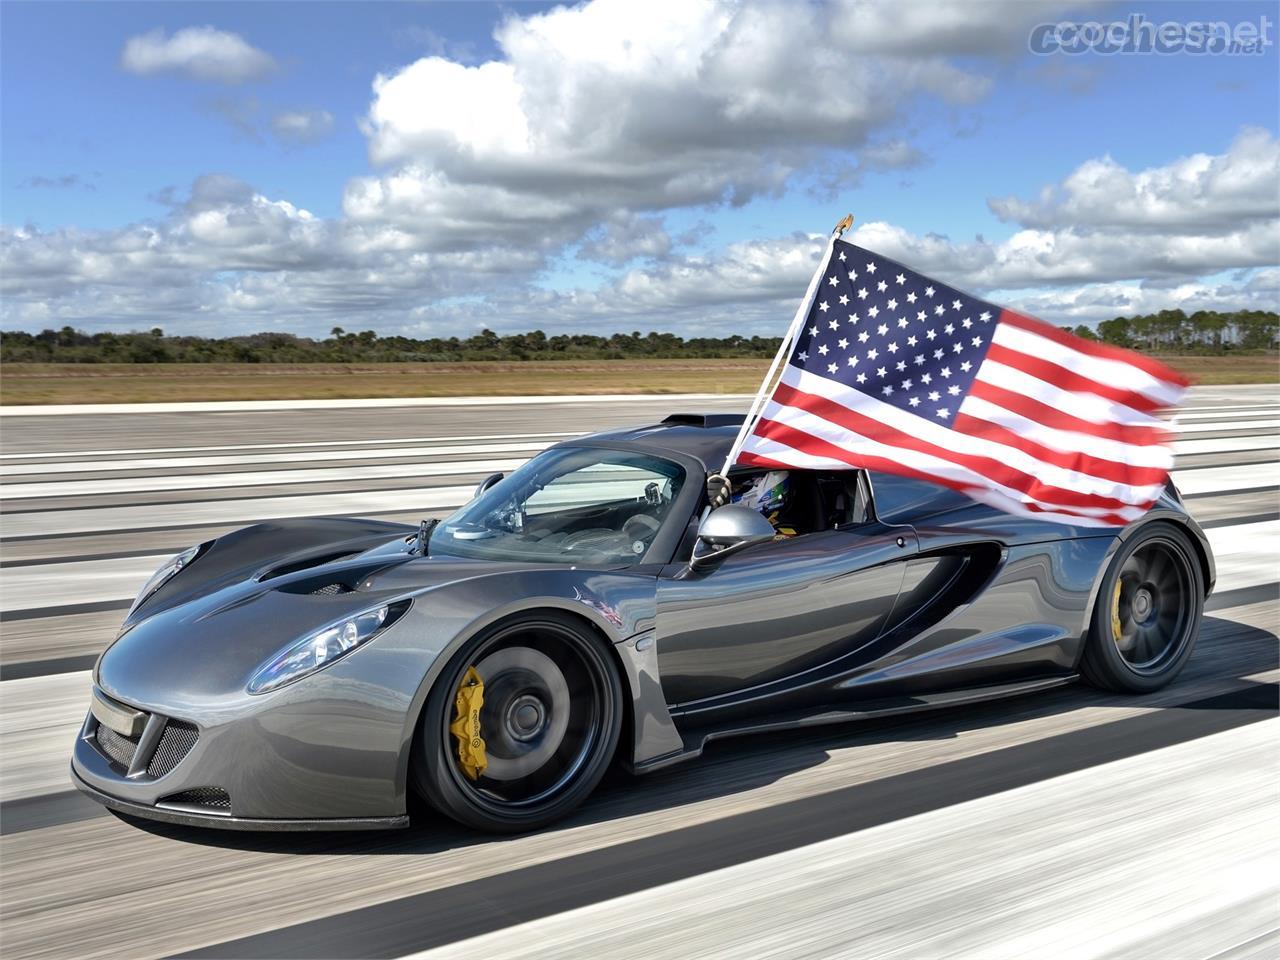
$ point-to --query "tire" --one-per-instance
(1155, 588)
(550, 721)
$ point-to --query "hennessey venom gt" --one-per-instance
(309, 674)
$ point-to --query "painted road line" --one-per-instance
(1270, 441)
(254, 406)
(266, 478)
(315, 456)
(250, 510)
(1207, 445)
(1246, 554)
(39, 720)
(1211, 413)
(75, 582)
(151, 451)
(1225, 427)
(1210, 480)
(1046, 891)
(478, 438)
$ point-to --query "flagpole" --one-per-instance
(757, 405)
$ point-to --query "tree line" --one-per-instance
(1170, 331)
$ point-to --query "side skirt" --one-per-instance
(696, 741)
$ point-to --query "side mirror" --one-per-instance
(486, 483)
(727, 530)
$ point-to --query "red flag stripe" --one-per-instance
(999, 472)
(1045, 513)
(1065, 441)
(1065, 379)
(1051, 417)
(1104, 350)
(1098, 369)
(808, 444)
(1085, 406)
(1078, 462)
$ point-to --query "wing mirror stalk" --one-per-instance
(726, 531)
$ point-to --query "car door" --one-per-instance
(761, 624)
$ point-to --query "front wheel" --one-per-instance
(1147, 614)
(521, 726)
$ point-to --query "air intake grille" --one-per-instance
(115, 747)
(175, 743)
(331, 590)
(215, 798)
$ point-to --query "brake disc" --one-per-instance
(466, 725)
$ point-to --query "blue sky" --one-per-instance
(233, 166)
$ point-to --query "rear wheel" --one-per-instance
(1147, 615)
(521, 726)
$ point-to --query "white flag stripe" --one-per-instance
(1113, 373)
(961, 443)
(1082, 406)
(925, 463)
(1068, 441)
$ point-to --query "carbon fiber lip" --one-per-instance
(191, 819)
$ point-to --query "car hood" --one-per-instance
(200, 638)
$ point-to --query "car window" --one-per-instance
(599, 483)
(814, 500)
(568, 504)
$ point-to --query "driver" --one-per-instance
(769, 493)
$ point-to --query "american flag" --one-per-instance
(896, 372)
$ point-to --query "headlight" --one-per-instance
(170, 569)
(319, 649)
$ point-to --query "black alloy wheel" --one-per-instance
(547, 728)
(1147, 614)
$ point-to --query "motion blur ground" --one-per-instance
(1072, 822)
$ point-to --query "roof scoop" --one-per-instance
(706, 420)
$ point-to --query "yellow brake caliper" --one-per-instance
(1115, 614)
(466, 724)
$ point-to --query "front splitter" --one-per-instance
(191, 819)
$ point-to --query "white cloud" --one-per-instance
(1092, 303)
(230, 259)
(1068, 255)
(589, 125)
(204, 53)
(1202, 192)
(615, 106)
(625, 238)
(302, 126)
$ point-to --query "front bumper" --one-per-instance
(308, 759)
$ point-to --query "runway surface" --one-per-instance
(1071, 823)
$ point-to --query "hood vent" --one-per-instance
(287, 568)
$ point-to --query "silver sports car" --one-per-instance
(308, 674)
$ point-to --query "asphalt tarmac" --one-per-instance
(1071, 823)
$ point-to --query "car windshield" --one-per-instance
(567, 505)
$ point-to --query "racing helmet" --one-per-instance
(767, 492)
